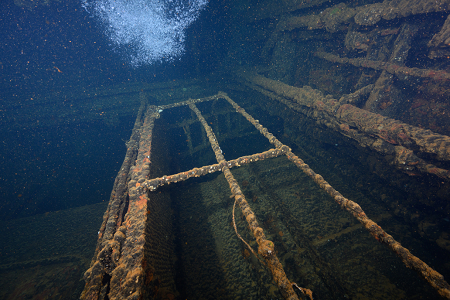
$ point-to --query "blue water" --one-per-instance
(146, 32)
(72, 74)
(55, 52)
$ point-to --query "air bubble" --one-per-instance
(146, 31)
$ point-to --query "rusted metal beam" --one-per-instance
(384, 135)
(388, 10)
(440, 43)
(387, 66)
(384, 90)
(119, 267)
(187, 102)
(155, 183)
(333, 18)
(127, 278)
(113, 217)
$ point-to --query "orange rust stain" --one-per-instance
(141, 202)
(146, 159)
(170, 296)
(403, 136)
(148, 277)
(281, 233)
(344, 127)
(138, 184)
(246, 253)
(385, 105)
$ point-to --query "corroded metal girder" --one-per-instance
(332, 18)
(386, 66)
(111, 235)
(439, 44)
(118, 268)
(155, 183)
(384, 135)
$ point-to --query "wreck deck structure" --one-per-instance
(348, 76)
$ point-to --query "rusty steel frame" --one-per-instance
(120, 247)
(381, 134)
(392, 68)
(154, 184)
(112, 219)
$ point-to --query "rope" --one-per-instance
(239, 236)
